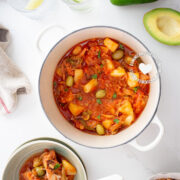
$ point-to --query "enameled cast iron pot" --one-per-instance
(64, 127)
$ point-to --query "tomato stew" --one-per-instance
(95, 89)
(47, 165)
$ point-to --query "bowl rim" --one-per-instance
(91, 27)
(45, 139)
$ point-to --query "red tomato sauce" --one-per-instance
(47, 165)
(94, 89)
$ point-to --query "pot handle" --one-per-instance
(153, 143)
(45, 31)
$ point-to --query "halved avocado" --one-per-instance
(163, 24)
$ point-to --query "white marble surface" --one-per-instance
(29, 121)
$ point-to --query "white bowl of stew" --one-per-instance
(91, 93)
(44, 158)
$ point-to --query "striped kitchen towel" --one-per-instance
(12, 80)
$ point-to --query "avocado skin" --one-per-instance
(145, 22)
(130, 2)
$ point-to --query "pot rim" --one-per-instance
(110, 27)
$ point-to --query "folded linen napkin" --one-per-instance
(12, 80)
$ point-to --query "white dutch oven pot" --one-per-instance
(64, 127)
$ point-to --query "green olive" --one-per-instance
(37, 162)
(69, 81)
(40, 171)
(100, 129)
(100, 93)
(118, 54)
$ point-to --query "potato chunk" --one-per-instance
(75, 109)
(69, 97)
(128, 59)
(37, 162)
(69, 81)
(110, 44)
(107, 123)
(132, 82)
(118, 72)
(129, 119)
(77, 50)
(69, 168)
(104, 49)
(59, 71)
(78, 74)
(109, 65)
(126, 108)
(90, 85)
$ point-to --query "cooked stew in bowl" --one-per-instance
(96, 88)
(47, 166)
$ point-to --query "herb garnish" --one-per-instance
(94, 76)
(57, 165)
(55, 83)
(66, 89)
(99, 54)
(99, 117)
(98, 101)
(80, 98)
(116, 121)
(136, 89)
(114, 96)
(121, 46)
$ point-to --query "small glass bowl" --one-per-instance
(20, 5)
(80, 5)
